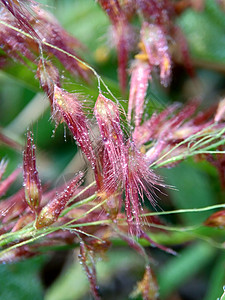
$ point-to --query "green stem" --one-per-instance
(42, 42)
(191, 151)
(188, 210)
(80, 203)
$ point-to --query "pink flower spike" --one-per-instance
(50, 30)
(107, 115)
(113, 9)
(19, 11)
(122, 36)
(48, 76)
(156, 11)
(45, 29)
(31, 181)
(68, 108)
(51, 212)
(152, 128)
(156, 48)
(122, 52)
(138, 181)
(5, 184)
(14, 44)
(138, 88)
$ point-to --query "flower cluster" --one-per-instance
(121, 149)
(43, 35)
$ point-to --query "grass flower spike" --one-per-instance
(155, 46)
(118, 200)
(31, 181)
(140, 76)
(51, 212)
(67, 108)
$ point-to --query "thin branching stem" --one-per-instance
(195, 147)
(86, 65)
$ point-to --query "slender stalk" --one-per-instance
(78, 204)
(86, 65)
(188, 210)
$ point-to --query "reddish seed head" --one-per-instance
(65, 105)
(166, 125)
(123, 39)
(155, 11)
(147, 287)
(122, 36)
(51, 212)
(138, 88)
(48, 76)
(49, 30)
(68, 108)
(32, 184)
(113, 204)
(15, 45)
(156, 48)
(138, 181)
(42, 26)
(19, 11)
(128, 7)
(216, 220)
(113, 9)
(107, 115)
(123, 166)
(170, 127)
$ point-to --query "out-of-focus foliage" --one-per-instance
(199, 267)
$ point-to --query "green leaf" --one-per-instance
(181, 268)
(193, 190)
(20, 281)
(202, 29)
(217, 279)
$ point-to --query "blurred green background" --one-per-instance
(198, 272)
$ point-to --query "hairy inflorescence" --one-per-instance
(120, 149)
